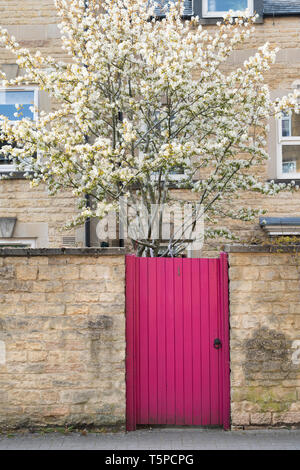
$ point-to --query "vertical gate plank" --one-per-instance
(170, 341)
(161, 342)
(214, 333)
(130, 336)
(196, 343)
(187, 340)
(221, 372)
(137, 338)
(204, 340)
(179, 326)
(144, 343)
(152, 312)
(224, 315)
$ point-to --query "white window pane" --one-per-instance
(285, 126)
(290, 159)
(290, 125)
(8, 100)
(225, 5)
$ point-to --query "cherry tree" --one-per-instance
(139, 100)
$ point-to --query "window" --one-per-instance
(289, 146)
(217, 8)
(177, 172)
(25, 99)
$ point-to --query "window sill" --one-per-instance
(215, 20)
(12, 175)
(285, 180)
(280, 226)
(18, 243)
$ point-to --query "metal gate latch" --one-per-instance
(217, 343)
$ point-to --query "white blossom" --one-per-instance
(141, 97)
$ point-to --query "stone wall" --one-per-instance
(62, 337)
(265, 337)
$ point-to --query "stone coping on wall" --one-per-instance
(115, 251)
(261, 248)
(61, 251)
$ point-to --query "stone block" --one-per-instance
(67, 272)
(36, 356)
(286, 418)
(269, 273)
(243, 273)
(77, 309)
(240, 419)
(100, 272)
(240, 286)
(261, 419)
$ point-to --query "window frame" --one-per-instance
(285, 140)
(172, 177)
(7, 168)
(218, 14)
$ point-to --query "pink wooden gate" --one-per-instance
(177, 327)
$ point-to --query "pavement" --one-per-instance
(156, 439)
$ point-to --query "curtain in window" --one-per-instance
(188, 7)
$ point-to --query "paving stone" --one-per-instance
(166, 439)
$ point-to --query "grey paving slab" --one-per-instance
(158, 439)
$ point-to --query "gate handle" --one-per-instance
(217, 343)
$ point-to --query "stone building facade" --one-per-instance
(41, 218)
